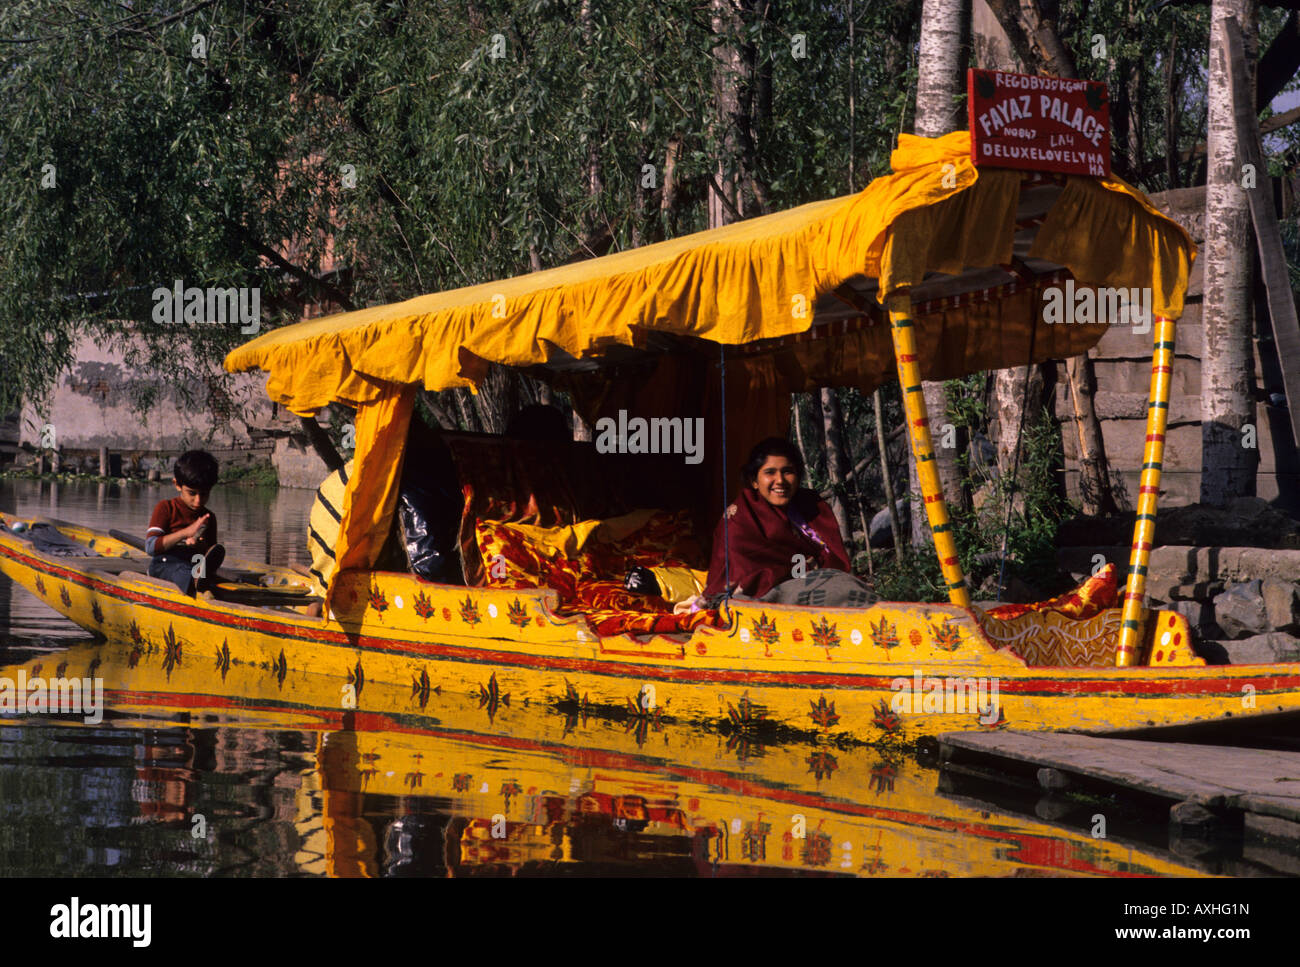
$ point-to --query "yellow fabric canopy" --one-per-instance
(748, 281)
(763, 279)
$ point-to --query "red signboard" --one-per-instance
(1039, 123)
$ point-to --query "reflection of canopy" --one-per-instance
(797, 291)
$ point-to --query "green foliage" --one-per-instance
(249, 474)
(914, 577)
(1029, 530)
(369, 152)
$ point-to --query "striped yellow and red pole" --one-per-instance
(918, 428)
(1134, 615)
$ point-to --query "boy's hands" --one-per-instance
(190, 534)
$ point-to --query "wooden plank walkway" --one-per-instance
(1218, 778)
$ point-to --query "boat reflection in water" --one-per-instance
(230, 769)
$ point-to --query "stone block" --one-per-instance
(1265, 649)
(882, 533)
(1125, 375)
(1200, 591)
(1200, 617)
(1281, 604)
(297, 465)
(1240, 612)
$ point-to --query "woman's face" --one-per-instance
(777, 481)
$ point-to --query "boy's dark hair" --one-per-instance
(196, 469)
(773, 446)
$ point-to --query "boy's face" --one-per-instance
(191, 498)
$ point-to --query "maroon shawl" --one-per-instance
(764, 541)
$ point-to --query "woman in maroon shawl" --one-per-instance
(771, 527)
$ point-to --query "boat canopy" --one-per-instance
(969, 244)
(799, 294)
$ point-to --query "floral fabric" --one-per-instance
(591, 581)
(1090, 598)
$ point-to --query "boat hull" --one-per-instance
(888, 674)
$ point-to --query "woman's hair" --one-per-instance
(773, 446)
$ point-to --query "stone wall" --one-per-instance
(93, 406)
(1122, 364)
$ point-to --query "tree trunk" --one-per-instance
(836, 463)
(581, 428)
(437, 406)
(497, 399)
(1014, 407)
(886, 476)
(940, 84)
(321, 443)
(1227, 364)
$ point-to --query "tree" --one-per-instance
(1227, 364)
(940, 108)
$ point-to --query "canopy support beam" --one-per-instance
(918, 428)
(1134, 615)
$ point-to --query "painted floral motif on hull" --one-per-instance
(172, 651)
(422, 688)
(886, 719)
(491, 698)
(40, 585)
(825, 634)
(97, 612)
(883, 774)
(223, 659)
(423, 606)
(816, 848)
(821, 764)
(765, 629)
(823, 712)
(136, 635)
(377, 600)
(65, 597)
(469, 611)
(754, 846)
(884, 634)
(945, 635)
(357, 678)
(517, 614)
(280, 668)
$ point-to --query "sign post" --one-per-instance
(1039, 123)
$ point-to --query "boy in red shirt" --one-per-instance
(182, 528)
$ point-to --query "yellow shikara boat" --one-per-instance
(964, 261)
(517, 792)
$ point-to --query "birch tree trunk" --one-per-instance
(1227, 364)
(940, 83)
(836, 462)
(725, 202)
